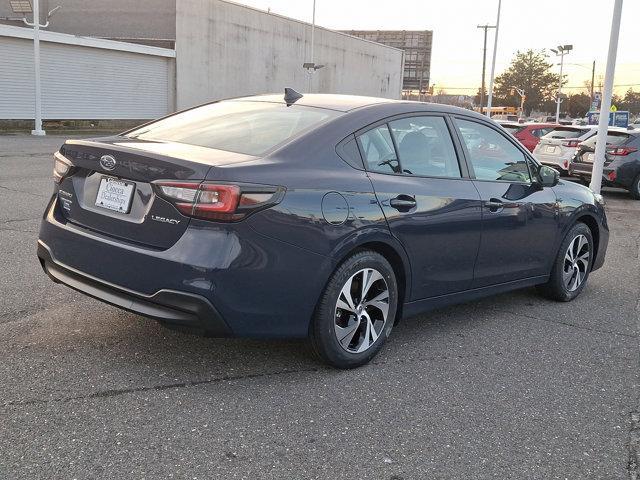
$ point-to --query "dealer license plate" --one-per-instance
(114, 194)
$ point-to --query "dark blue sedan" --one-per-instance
(322, 216)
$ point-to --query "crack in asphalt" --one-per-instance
(228, 378)
(4, 222)
(32, 154)
(558, 322)
(22, 191)
(157, 388)
(633, 466)
(6, 229)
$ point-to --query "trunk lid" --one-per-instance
(109, 189)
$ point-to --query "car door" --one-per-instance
(519, 216)
(429, 202)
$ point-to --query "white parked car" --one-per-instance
(557, 147)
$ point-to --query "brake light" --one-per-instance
(571, 143)
(213, 201)
(621, 151)
(612, 176)
(61, 167)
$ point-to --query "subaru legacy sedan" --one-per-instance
(321, 216)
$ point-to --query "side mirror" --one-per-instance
(548, 177)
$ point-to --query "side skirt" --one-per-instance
(417, 307)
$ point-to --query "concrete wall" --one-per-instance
(225, 50)
(141, 21)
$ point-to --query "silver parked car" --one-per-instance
(557, 147)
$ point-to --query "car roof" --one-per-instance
(342, 103)
(346, 103)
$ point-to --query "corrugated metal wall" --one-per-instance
(81, 82)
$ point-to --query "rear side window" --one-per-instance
(492, 156)
(425, 147)
(613, 138)
(540, 132)
(252, 128)
(512, 129)
(378, 152)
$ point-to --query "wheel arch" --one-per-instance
(592, 224)
(393, 251)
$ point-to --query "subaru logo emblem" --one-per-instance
(107, 162)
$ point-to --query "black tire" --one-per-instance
(322, 332)
(634, 189)
(556, 288)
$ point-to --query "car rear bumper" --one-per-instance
(583, 170)
(556, 161)
(170, 306)
(227, 279)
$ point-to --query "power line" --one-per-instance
(564, 86)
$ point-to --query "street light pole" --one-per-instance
(493, 63)
(603, 122)
(558, 99)
(484, 62)
(561, 50)
(36, 60)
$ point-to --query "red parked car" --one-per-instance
(530, 133)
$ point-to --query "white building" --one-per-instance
(222, 49)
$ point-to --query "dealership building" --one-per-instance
(140, 60)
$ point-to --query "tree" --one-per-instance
(530, 71)
(631, 101)
(576, 105)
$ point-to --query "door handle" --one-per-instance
(494, 205)
(403, 203)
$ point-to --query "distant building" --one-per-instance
(417, 54)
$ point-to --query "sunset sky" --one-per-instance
(457, 43)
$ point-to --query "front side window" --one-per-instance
(492, 156)
(425, 147)
(377, 150)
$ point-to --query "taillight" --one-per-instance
(218, 201)
(612, 176)
(571, 143)
(61, 167)
(621, 151)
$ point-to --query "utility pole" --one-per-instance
(523, 97)
(484, 62)
(593, 76)
(603, 122)
(493, 63)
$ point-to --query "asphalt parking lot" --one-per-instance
(512, 386)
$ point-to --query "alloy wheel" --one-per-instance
(362, 310)
(576, 263)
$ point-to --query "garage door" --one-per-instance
(81, 82)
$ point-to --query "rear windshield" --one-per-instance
(566, 132)
(613, 138)
(252, 128)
